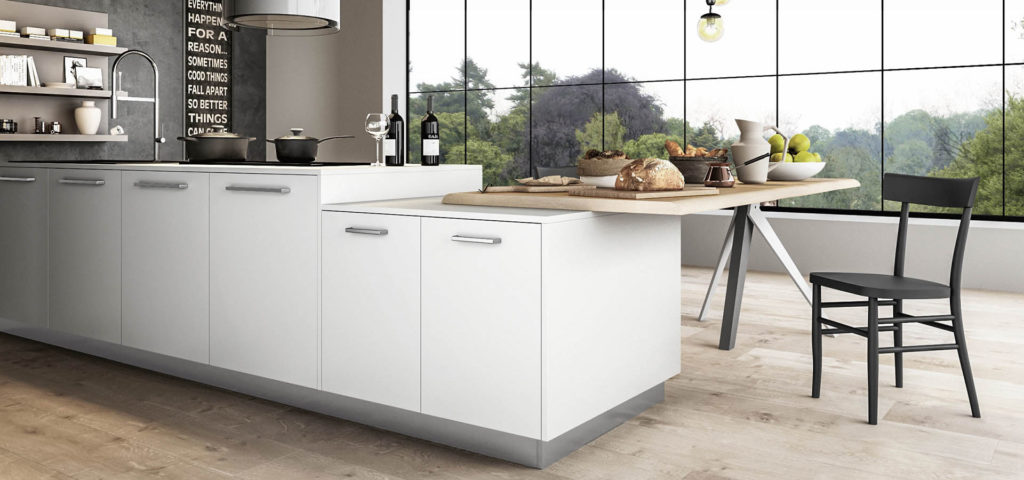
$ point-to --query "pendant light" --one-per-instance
(283, 17)
(711, 26)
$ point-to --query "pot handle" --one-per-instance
(322, 140)
(252, 139)
(188, 139)
(270, 141)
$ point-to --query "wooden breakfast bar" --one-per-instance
(745, 199)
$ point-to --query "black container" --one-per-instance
(216, 146)
(296, 148)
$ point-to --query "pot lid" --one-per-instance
(296, 135)
(219, 131)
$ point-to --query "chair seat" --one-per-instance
(880, 286)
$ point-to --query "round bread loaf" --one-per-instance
(649, 175)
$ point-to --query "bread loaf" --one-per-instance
(649, 175)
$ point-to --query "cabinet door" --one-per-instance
(23, 226)
(481, 323)
(85, 253)
(166, 263)
(263, 275)
(371, 307)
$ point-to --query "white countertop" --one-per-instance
(432, 207)
(275, 168)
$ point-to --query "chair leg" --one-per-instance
(965, 362)
(897, 341)
(816, 341)
(873, 361)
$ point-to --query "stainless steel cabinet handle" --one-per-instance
(80, 181)
(487, 240)
(173, 186)
(367, 231)
(18, 179)
(237, 188)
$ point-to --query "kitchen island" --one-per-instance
(517, 333)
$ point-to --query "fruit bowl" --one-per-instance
(795, 171)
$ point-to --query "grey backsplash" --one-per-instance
(155, 27)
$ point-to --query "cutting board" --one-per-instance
(539, 188)
(631, 195)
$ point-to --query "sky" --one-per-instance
(644, 40)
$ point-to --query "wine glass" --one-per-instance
(377, 126)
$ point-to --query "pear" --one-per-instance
(778, 158)
(805, 157)
(799, 143)
(778, 143)
(817, 157)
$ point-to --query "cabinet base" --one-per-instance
(514, 448)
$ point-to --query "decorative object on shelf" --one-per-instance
(107, 40)
(8, 125)
(117, 130)
(89, 77)
(70, 65)
(751, 146)
(87, 118)
(377, 126)
(719, 175)
(40, 125)
(9, 28)
(56, 128)
(14, 70)
(711, 27)
(58, 85)
(292, 18)
(296, 148)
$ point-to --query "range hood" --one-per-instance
(284, 17)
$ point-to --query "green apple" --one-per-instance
(799, 143)
(817, 157)
(805, 157)
(778, 158)
(778, 143)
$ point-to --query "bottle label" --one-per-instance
(389, 147)
(431, 147)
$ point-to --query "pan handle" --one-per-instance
(270, 141)
(188, 139)
(322, 140)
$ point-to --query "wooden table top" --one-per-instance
(741, 194)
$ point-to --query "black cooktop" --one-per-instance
(278, 164)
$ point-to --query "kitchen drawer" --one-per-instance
(481, 323)
(371, 307)
(264, 275)
(166, 263)
(23, 255)
(85, 253)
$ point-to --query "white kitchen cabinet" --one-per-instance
(263, 275)
(371, 307)
(23, 255)
(481, 323)
(166, 263)
(85, 253)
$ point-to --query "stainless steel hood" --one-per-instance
(284, 17)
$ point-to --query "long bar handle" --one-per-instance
(486, 240)
(79, 181)
(18, 179)
(237, 188)
(170, 186)
(367, 231)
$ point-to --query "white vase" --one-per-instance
(750, 146)
(87, 118)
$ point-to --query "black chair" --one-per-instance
(892, 290)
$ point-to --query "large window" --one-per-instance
(926, 87)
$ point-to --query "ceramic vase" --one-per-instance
(87, 118)
(752, 145)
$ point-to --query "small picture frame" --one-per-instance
(89, 77)
(70, 64)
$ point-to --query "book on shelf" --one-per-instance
(29, 31)
(68, 40)
(10, 34)
(8, 26)
(33, 74)
(36, 37)
(101, 31)
(14, 70)
(101, 40)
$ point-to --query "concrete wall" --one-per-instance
(327, 84)
(156, 28)
(854, 243)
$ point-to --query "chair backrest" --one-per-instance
(936, 192)
(563, 171)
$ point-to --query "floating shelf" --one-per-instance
(62, 137)
(56, 92)
(55, 46)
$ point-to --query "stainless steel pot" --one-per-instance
(296, 148)
(217, 146)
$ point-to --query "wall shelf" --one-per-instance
(63, 137)
(55, 46)
(56, 92)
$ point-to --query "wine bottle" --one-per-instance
(394, 142)
(430, 137)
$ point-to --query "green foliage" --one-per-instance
(598, 136)
(649, 146)
(493, 159)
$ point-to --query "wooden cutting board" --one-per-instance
(539, 188)
(631, 195)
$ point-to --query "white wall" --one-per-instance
(394, 56)
(854, 243)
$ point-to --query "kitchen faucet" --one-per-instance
(157, 139)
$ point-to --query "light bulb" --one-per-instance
(719, 3)
(710, 27)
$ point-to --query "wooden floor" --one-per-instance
(743, 414)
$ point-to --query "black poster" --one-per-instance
(207, 67)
